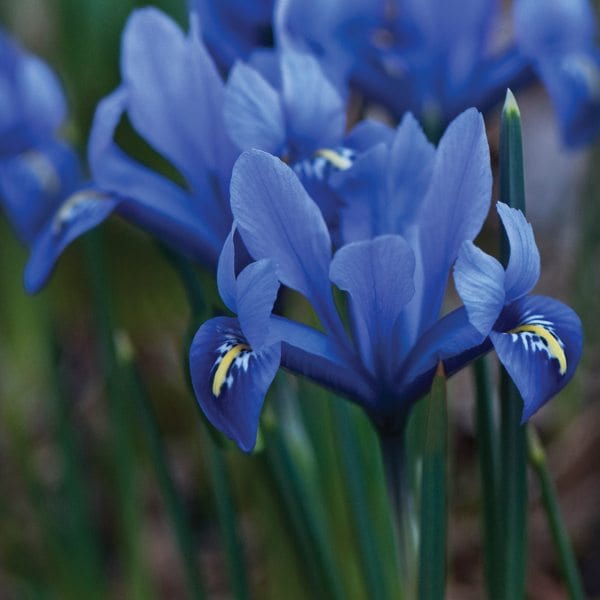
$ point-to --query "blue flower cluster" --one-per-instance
(280, 189)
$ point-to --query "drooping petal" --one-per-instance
(480, 283)
(81, 212)
(315, 110)
(150, 200)
(230, 379)
(33, 184)
(539, 342)
(523, 269)
(278, 220)
(454, 209)
(253, 112)
(256, 288)
(310, 353)
(378, 276)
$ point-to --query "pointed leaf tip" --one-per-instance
(511, 108)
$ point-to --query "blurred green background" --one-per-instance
(82, 511)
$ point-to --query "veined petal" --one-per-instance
(79, 213)
(150, 200)
(253, 111)
(454, 209)
(315, 111)
(175, 94)
(256, 287)
(523, 269)
(479, 280)
(278, 220)
(539, 342)
(230, 379)
(310, 353)
(411, 163)
(378, 276)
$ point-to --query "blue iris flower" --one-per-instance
(436, 59)
(36, 168)
(282, 103)
(394, 277)
(173, 97)
(233, 28)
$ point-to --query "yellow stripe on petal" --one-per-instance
(554, 348)
(224, 366)
(335, 158)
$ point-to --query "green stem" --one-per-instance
(307, 518)
(359, 501)
(537, 459)
(432, 551)
(175, 509)
(487, 444)
(513, 444)
(393, 453)
(228, 522)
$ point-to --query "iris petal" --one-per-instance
(81, 212)
(523, 269)
(539, 342)
(479, 280)
(221, 361)
(253, 111)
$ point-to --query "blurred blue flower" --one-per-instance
(436, 59)
(36, 169)
(173, 97)
(233, 28)
(394, 274)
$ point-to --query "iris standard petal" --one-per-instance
(278, 220)
(230, 379)
(411, 163)
(539, 342)
(81, 212)
(315, 111)
(253, 112)
(454, 209)
(378, 276)
(175, 94)
(523, 269)
(480, 283)
(256, 286)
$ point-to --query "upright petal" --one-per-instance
(230, 379)
(378, 276)
(316, 113)
(539, 342)
(454, 209)
(480, 282)
(253, 112)
(256, 287)
(175, 94)
(278, 220)
(226, 273)
(523, 269)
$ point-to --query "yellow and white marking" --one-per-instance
(339, 159)
(539, 334)
(71, 206)
(232, 355)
